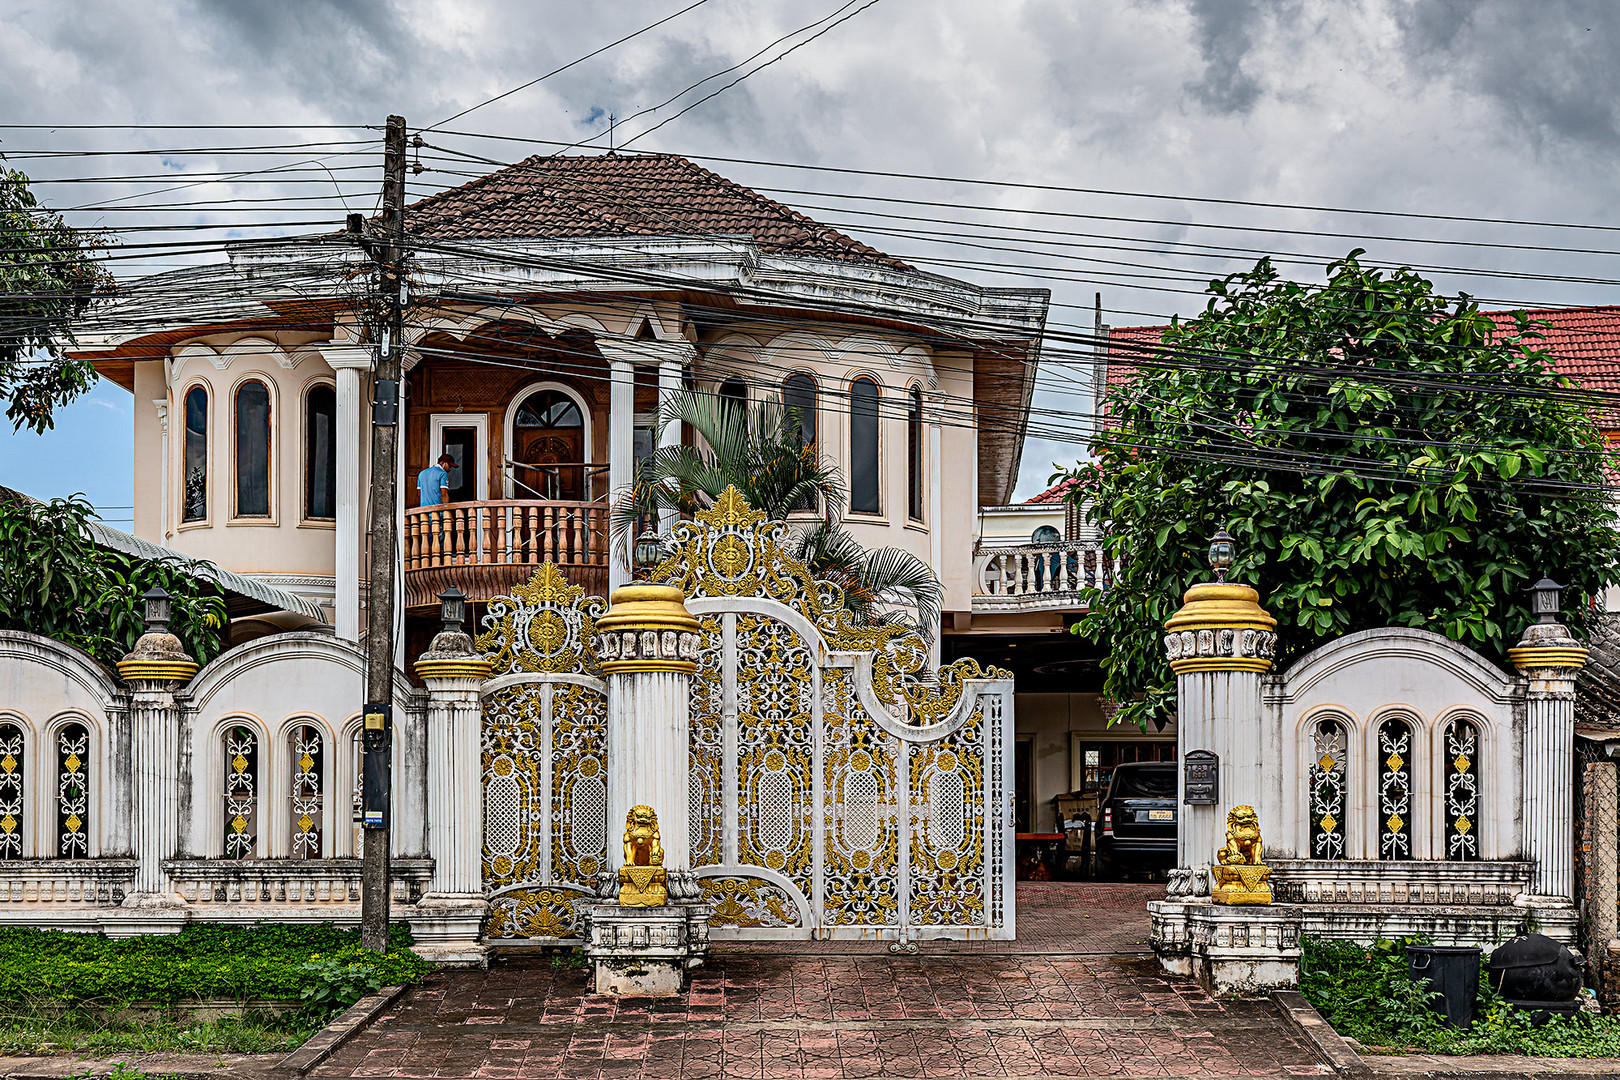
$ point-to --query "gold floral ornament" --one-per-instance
(731, 549)
(545, 625)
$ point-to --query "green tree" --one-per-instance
(757, 448)
(1384, 456)
(55, 581)
(48, 277)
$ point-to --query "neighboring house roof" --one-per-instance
(243, 595)
(1584, 343)
(1057, 493)
(1597, 688)
(604, 195)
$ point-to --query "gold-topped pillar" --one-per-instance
(647, 644)
(1220, 645)
(1550, 658)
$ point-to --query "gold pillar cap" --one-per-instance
(1214, 605)
(651, 607)
(1527, 657)
(648, 629)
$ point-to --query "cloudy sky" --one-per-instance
(1485, 109)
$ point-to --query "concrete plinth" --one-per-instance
(447, 929)
(645, 952)
(1229, 950)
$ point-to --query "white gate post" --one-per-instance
(647, 644)
(153, 669)
(448, 921)
(1551, 658)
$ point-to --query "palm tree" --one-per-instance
(757, 448)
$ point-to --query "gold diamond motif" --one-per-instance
(1396, 823)
(1326, 763)
(72, 763)
(239, 764)
(305, 822)
(8, 824)
(1462, 762)
(8, 764)
(239, 825)
(1395, 761)
(306, 762)
(1462, 825)
(1329, 823)
(73, 822)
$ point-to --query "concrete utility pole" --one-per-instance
(378, 737)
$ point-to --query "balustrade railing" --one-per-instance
(484, 547)
(1047, 574)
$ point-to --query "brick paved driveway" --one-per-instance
(1052, 1004)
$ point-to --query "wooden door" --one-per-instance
(550, 463)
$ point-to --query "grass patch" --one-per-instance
(1364, 992)
(62, 991)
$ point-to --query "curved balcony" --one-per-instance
(485, 548)
(1041, 577)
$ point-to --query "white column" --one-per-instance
(1220, 645)
(1550, 658)
(349, 364)
(621, 458)
(162, 407)
(669, 388)
(936, 533)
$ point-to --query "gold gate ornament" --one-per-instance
(643, 881)
(1240, 876)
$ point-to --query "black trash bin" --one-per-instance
(1453, 970)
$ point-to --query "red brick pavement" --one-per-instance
(765, 1011)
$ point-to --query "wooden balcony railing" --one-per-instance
(485, 548)
(1035, 576)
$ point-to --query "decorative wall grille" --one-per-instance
(1395, 790)
(73, 792)
(1462, 791)
(1330, 751)
(11, 791)
(241, 793)
(305, 798)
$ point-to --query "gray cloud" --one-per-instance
(1225, 32)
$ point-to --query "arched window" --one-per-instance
(241, 748)
(1330, 747)
(548, 447)
(73, 792)
(306, 802)
(914, 455)
(1462, 791)
(863, 446)
(734, 400)
(11, 791)
(196, 460)
(252, 450)
(320, 452)
(1395, 790)
(799, 400)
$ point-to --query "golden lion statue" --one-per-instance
(1242, 838)
(1239, 877)
(643, 881)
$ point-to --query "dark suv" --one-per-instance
(1138, 828)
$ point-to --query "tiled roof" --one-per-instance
(1584, 343)
(1053, 494)
(619, 195)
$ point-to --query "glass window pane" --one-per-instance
(914, 481)
(799, 397)
(320, 457)
(734, 400)
(252, 450)
(863, 446)
(196, 460)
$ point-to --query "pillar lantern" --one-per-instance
(452, 609)
(1550, 657)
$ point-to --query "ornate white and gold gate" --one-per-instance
(837, 788)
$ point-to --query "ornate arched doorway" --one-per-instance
(549, 446)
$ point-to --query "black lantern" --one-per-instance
(158, 609)
(1221, 551)
(452, 609)
(1544, 596)
(649, 552)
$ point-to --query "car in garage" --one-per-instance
(1138, 820)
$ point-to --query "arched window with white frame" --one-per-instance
(1462, 794)
(73, 792)
(1395, 768)
(194, 460)
(864, 488)
(320, 452)
(252, 449)
(1327, 787)
(914, 454)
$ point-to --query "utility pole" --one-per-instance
(378, 732)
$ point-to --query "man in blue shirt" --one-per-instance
(433, 482)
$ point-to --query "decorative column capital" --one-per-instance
(338, 357)
(1220, 627)
(451, 656)
(1548, 646)
(157, 657)
(647, 628)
